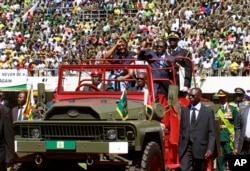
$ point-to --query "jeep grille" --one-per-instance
(76, 131)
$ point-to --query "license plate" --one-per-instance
(60, 145)
(118, 147)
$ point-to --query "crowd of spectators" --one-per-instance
(41, 35)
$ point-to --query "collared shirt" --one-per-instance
(197, 109)
(99, 86)
(20, 113)
(163, 56)
(224, 106)
(141, 89)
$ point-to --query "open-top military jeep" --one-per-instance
(84, 124)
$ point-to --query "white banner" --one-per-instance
(13, 77)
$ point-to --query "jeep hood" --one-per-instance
(92, 109)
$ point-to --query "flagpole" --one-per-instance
(32, 101)
(145, 96)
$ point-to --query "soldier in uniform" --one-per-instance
(227, 114)
(96, 79)
(239, 97)
(183, 66)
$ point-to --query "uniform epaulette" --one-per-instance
(233, 104)
(187, 52)
(246, 102)
(185, 48)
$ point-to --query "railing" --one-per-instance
(90, 15)
(209, 73)
(220, 72)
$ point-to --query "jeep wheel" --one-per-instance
(152, 159)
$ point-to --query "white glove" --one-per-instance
(185, 89)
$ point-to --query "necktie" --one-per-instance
(20, 113)
(222, 107)
(193, 120)
(139, 89)
(193, 117)
(162, 60)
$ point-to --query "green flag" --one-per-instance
(122, 106)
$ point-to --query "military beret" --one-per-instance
(222, 93)
(96, 72)
(174, 35)
(239, 91)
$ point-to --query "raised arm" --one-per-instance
(118, 43)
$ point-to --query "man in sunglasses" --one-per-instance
(140, 82)
(161, 64)
(197, 133)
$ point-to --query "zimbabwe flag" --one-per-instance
(28, 106)
(122, 106)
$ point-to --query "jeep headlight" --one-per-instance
(111, 134)
(35, 133)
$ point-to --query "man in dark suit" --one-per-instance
(185, 64)
(3, 100)
(197, 134)
(140, 85)
(242, 132)
(6, 138)
(18, 111)
(158, 60)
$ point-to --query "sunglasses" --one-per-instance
(140, 78)
(191, 95)
(159, 46)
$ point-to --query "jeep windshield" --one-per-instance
(92, 81)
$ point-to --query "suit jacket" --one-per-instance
(5, 102)
(155, 63)
(6, 135)
(137, 88)
(240, 128)
(35, 112)
(204, 132)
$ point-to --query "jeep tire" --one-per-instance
(152, 159)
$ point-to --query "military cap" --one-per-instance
(246, 97)
(35, 93)
(239, 91)
(215, 96)
(174, 35)
(222, 93)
